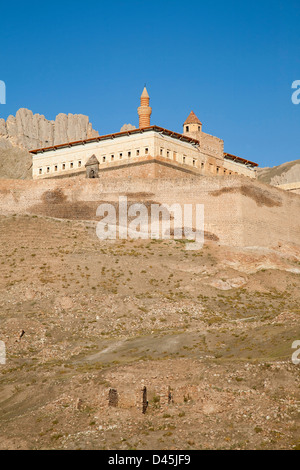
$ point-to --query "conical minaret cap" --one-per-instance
(145, 93)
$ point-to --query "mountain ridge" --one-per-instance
(27, 131)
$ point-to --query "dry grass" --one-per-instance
(127, 314)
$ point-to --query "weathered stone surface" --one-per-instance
(30, 131)
(3, 130)
(283, 174)
(234, 215)
(15, 162)
(127, 127)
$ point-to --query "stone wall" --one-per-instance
(124, 150)
(212, 145)
(147, 168)
(118, 150)
(292, 187)
(238, 211)
(239, 168)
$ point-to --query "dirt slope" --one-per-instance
(209, 333)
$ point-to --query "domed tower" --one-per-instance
(144, 111)
(192, 126)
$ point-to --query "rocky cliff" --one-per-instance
(28, 131)
(31, 131)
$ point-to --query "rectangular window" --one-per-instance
(137, 153)
(183, 160)
(168, 154)
(48, 169)
(103, 159)
(79, 164)
(218, 170)
(202, 165)
(129, 154)
(194, 162)
(112, 158)
(187, 128)
(146, 151)
(161, 152)
(63, 166)
(40, 171)
(121, 156)
(55, 168)
(71, 165)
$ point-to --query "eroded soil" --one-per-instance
(209, 333)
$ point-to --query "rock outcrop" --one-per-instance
(28, 131)
(127, 127)
(33, 131)
(282, 174)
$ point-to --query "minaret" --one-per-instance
(144, 111)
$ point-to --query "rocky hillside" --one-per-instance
(286, 173)
(95, 330)
(208, 333)
(27, 131)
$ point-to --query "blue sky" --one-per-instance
(231, 62)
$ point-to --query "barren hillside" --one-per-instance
(282, 174)
(209, 333)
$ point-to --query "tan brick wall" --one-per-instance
(239, 211)
(148, 168)
(212, 146)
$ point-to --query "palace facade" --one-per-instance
(149, 151)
